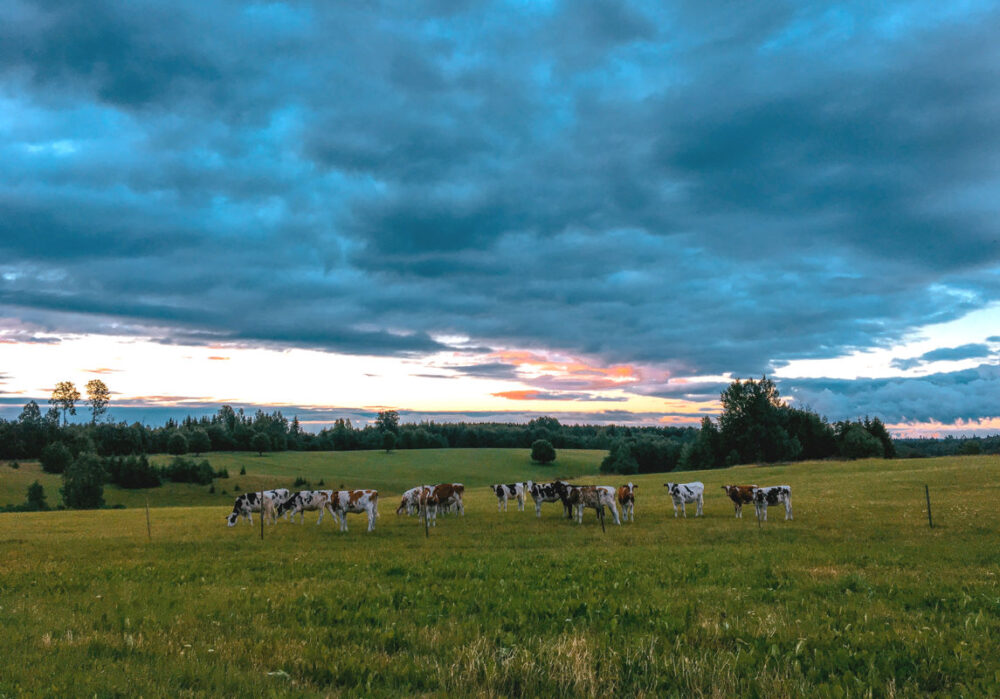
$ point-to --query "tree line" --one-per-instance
(755, 426)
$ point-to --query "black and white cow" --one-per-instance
(683, 493)
(556, 491)
(249, 503)
(304, 500)
(772, 495)
(509, 491)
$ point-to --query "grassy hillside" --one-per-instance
(855, 595)
(390, 473)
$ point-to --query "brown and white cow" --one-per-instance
(443, 495)
(343, 502)
(595, 496)
(411, 501)
(626, 498)
(740, 495)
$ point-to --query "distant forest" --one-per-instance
(755, 426)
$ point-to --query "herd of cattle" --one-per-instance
(428, 500)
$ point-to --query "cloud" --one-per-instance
(943, 397)
(560, 396)
(698, 190)
(968, 351)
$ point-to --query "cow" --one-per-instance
(549, 492)
(683, 493)
(626, 498)
(740, 495)
(304, 500)
(772, 495)
(506, 491)
(343, 502)
(411, 501)
(248, 503)
(595, 496)
(438, 496)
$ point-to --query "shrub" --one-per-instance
(132, 472)
(243, 471)
(300, 482)
(181, 470)
(14, 465)
(83, 483)
(542, 452)
(222, 473)
(55, 458)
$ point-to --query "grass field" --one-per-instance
(856, 596)
(393, 472)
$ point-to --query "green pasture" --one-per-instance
(855, 597)
(393, 473)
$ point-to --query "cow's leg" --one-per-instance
(520, 503)
(538, 508)
(372, 514)
(788, 508)
(675, 509)
(739, 510)
(614, 513)
(701, 501)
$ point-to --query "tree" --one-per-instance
(619, 459)
(751, 422)
(542, 452)
(36, 497)
(260, 443)
(83, 483)
(65, 397)
(388, 441)
(31, 413)
(877, 430)
(98, 396)
(177, 444)
(55, 458)
(198, 441)
(857, 443)
(387, 421)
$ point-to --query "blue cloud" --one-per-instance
(703, 189)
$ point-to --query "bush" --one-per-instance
(243, 471)
(300, 482)
(83, 483)
(132, 472)
(177, 444)
(542, 452)
(181, 470)
(14, 465)
(55, 458)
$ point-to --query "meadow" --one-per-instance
(856, 596)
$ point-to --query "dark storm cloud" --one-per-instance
(704, 190)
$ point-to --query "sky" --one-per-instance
(491, 211)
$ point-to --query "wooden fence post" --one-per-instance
(927, 492)
(149, 529)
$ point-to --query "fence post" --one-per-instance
(149, 529)
(927, 492)
(262, 515)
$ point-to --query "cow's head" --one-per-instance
(232, 518)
